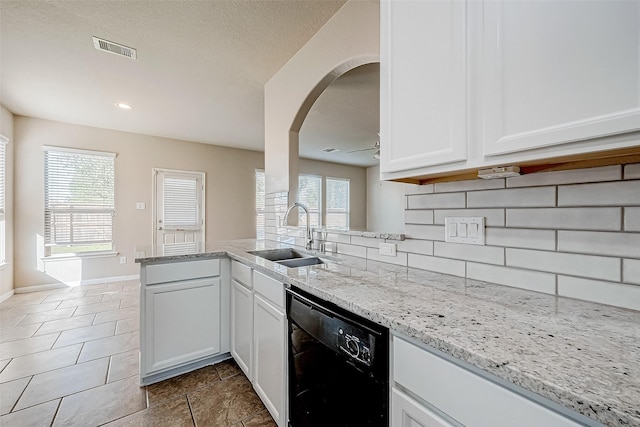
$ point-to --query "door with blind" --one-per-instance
(179, 209)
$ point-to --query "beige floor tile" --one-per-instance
(26, 346)
(36, 416)
(60, 296)
(110, 345)
(124, 365)
(63, 382)
(102, 404)
(116, 296)
(18, 332)
(9, 318)
(227, 369)
(123, 313)
(87, 333)
(66, 324)
(172, 413)
(47, 316)
(4, 363)
(130, 302)
(182, 384)
(10, 392)
(37, 363)
(128, 325)
(35, 308)
(94, 299)
(116, 286)
(262, 419)
(131, 285)
(97, 308)
(23, 299)
(224, 403)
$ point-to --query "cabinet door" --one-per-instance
(556, 72)
(270, 355)
(242, 327)
(406, 412)
(182, 323)
(423, 83)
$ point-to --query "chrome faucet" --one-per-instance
(309, 243)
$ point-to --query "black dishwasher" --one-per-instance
(338, 366)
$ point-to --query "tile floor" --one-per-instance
(69, 357)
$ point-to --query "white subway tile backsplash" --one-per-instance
(524, 279)
(512, 198)
(627, 296)
(600, 243)
(418, 217)
(576, 176)
(366, 241)
(425, 232)
(359, 251)
(631, 271)
(399, 259)
(623, 193)
(554, 262)
(418, 189)
(521, 238)
(436, 201)
(424, 247)
(632, 171)
(632, 219)
(607, 219)
(486, 254)
(440, 265)
(492, 217)
(338, 238)
(471, 185)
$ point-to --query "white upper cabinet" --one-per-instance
(472, 84)
(555, 72)
(423, 83)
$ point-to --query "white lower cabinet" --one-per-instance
(460, 396)
(242, 327)
(183, 322)
(269, 344)
(406, 412)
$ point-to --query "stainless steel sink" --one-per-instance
(278, 254)
(301, 262)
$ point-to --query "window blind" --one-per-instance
(3, 150)
(310, 195)
(79, 200)
(337, 203)
(260, 204)
(181, 207)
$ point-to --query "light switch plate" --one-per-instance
(468, 230)
(140, 205)
(387, 249)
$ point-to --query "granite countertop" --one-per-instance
(581, 355)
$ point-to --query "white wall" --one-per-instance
(230, 197)
(385, 203)
(6, 270)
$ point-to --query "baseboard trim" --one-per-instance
(59, 285)
(6, 295)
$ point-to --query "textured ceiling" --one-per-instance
(199, 75)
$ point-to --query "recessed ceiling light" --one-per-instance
(123, 106)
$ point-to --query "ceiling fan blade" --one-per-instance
(362, 149)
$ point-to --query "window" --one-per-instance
(260, 203)
(79, 201)
(310, 195)
(337, 211)
(3, 167)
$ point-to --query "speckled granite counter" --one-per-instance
(581, 355)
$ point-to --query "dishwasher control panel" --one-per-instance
(357, 344)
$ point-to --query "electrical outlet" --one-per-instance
(140, 254)
(140, 206)
(469, 230)
(123, 260)
(387, 249)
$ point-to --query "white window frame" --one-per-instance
(301, 212)
(348, 208)
(112, 210)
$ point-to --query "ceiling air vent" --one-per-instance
(330, 150)
(115, 48)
